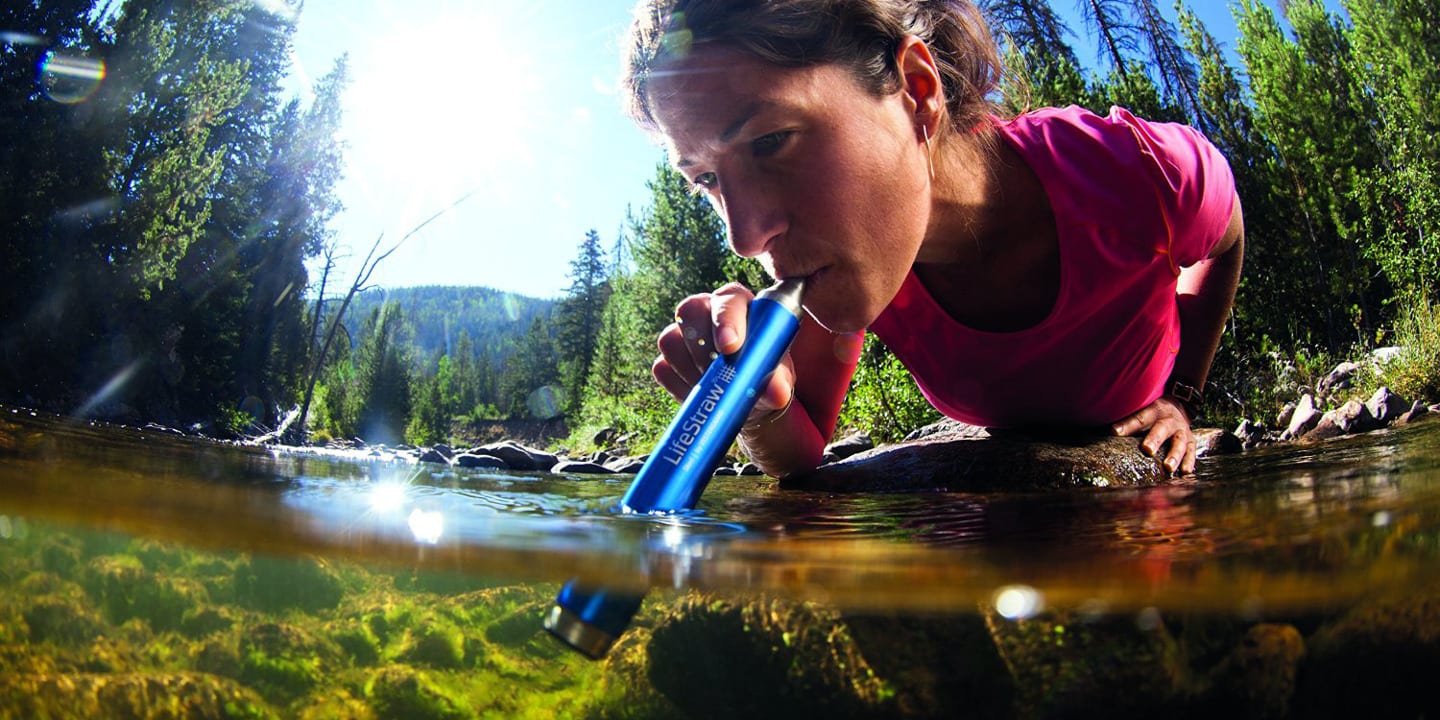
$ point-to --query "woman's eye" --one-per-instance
(704, 181)
(767, 145)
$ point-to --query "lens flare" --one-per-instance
(70, 79)
(545, 402)
(1017, 602)
(427, 526)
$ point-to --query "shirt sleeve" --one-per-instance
(1195, 187)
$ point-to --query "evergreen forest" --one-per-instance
(158, 225)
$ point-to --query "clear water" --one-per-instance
(106, 519)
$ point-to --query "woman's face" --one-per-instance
(813, 175)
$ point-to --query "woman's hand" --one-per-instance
(710, 323)
(1165, 425)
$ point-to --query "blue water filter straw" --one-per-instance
(590, 619)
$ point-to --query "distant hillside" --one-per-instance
(437, 315)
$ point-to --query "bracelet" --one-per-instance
(1187, 396)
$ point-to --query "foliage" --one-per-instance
(884, 400)
(1415, 373)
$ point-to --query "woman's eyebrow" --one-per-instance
(746, 114)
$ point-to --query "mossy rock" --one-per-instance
(715, 657)
(62, 621)
(436, 643)
(399, 691)
(194, 696)
(358, 641)
(125, 589)
(47, 583)
(282, 661)
(271, 584)
(1376, 661)
(197, 623)
(60, 554)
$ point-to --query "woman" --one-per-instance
(1056, 269)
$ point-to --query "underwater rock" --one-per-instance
(1378, 660)
(280, 660)
(194, 696)
(937, 666)
(63, 621)
(435, 642)
(1257, 679)
(200, 622)
(713, 657)
(961, 462)
(1065, 664)
(399, 691)
(123, 587)
(273, 584)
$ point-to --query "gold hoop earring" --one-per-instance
(929, 152)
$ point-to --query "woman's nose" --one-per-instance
(754, 217)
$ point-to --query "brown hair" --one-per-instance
(861, 35)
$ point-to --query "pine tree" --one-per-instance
(578, 318)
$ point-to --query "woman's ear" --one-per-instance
(921, 84)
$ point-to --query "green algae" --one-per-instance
(91, 622)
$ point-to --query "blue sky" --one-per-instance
(511, 100)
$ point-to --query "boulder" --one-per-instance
(1416, 411)
(1303, 419)
(1386, 406)
(852, 444)
(1214, 441)
(433, 456)
(480, 461)
(519, 457)
(581, 467)
(962, 462)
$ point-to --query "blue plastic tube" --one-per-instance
(590, 619)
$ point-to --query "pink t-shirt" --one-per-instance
(1133, 201)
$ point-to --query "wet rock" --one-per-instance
(716, 658)
(962, 462)
(398, 691)
(626, 465)
(1214, 441)
(1064, 664)
(1354, 417)
(194, 696)
(1326, 429)
(1386, 406)
(435, 642)
(852, 444)
(750, 469)
(604, 437)
(580, 467)
(1416, 412)
(444, 449)
(726, 471)
(1303, 419)
(519, 457)
(946, 426)
(1251, 435)
(1378, 660)
(433, 456)
(359, 641)
(480, 461)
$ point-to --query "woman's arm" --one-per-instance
(1205, 293)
